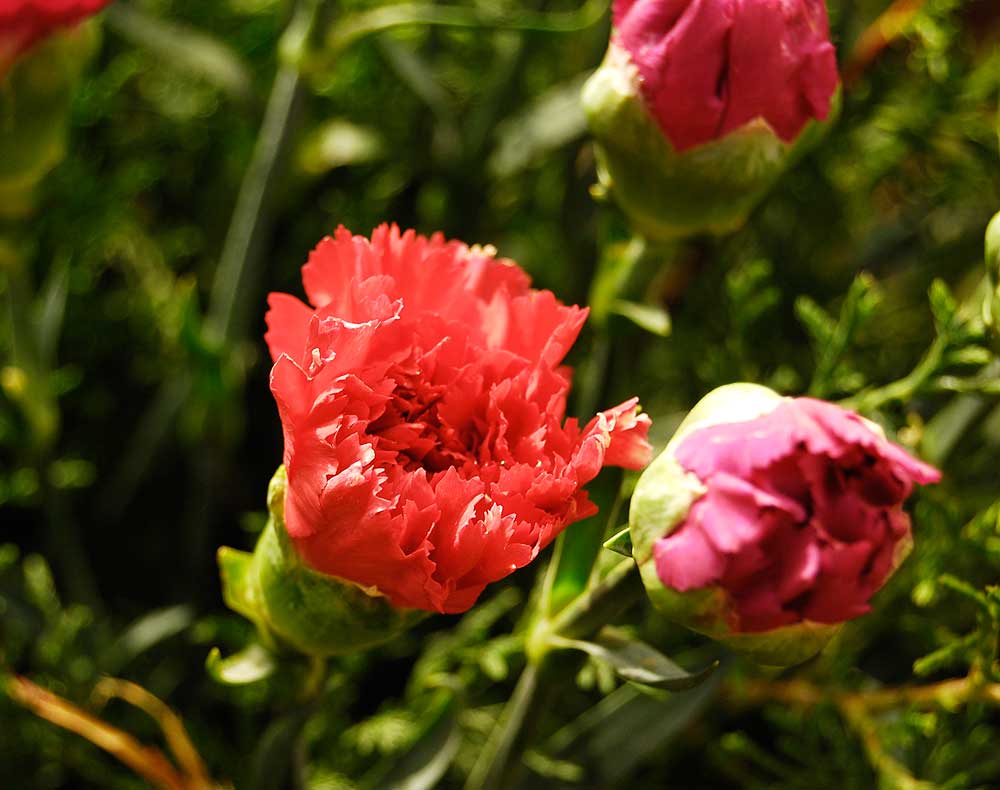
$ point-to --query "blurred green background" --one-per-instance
(137, 431)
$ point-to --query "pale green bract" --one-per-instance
(667, 194)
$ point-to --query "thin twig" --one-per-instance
(858, 709)
(170, 723)
(147, 761)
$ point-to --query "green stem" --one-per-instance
(494, 761)
(902, 389)
(378, 20)
(587, 613)
(603, 602)
(943, 432)
(242, 252)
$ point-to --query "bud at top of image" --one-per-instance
(708, 67)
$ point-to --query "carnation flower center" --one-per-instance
(414, 427)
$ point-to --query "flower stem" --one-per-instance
(902, 389)
(594, 608)
(253, 215)
(494, 761)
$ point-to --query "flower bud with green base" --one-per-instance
(769, 521)
(295, 607)
(700, 105)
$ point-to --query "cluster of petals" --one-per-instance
(801, 518)
(422, 400)
(708, 67)
(25, 22)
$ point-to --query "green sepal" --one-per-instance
(36, 94)
(668, 194)
(295, 607)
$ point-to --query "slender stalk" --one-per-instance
(250, 227)
(494, 760)
(378, 20)
(147, 762)
(902, 389)
(588, 612)
(948, 693)
(603, 602)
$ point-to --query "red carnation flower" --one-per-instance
(422, 401)
(24, 22)
(708, 67)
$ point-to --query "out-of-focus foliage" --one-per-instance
(133, 441)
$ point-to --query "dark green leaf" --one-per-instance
(636, 661)
(427, 760)
(620, 543)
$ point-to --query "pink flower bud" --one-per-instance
(708, 67)
(701, 105)
(768, 521)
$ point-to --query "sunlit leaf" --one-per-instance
(248, 666)
(636, 661)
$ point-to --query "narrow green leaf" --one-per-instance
(816, 320)
(620, 543)
(146, 632)
(184, 48)
(551, 121)
(272, 759)
(251, 664)
(620, 732)
(653, 319)
(943, 304)
(427, 760)
(636, 661)
(51, 312)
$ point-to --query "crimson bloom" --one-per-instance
(25, 22)
(708, 67)
(422, 402)
(791, 514)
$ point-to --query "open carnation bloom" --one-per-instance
(25, 22)
(708, 67)
(787, 511)
(422, 402)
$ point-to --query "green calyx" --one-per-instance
(35, 101)
(663, 496)
(297, 608)
(668, 194)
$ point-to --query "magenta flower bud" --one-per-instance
(769, 521)
(700, 104)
